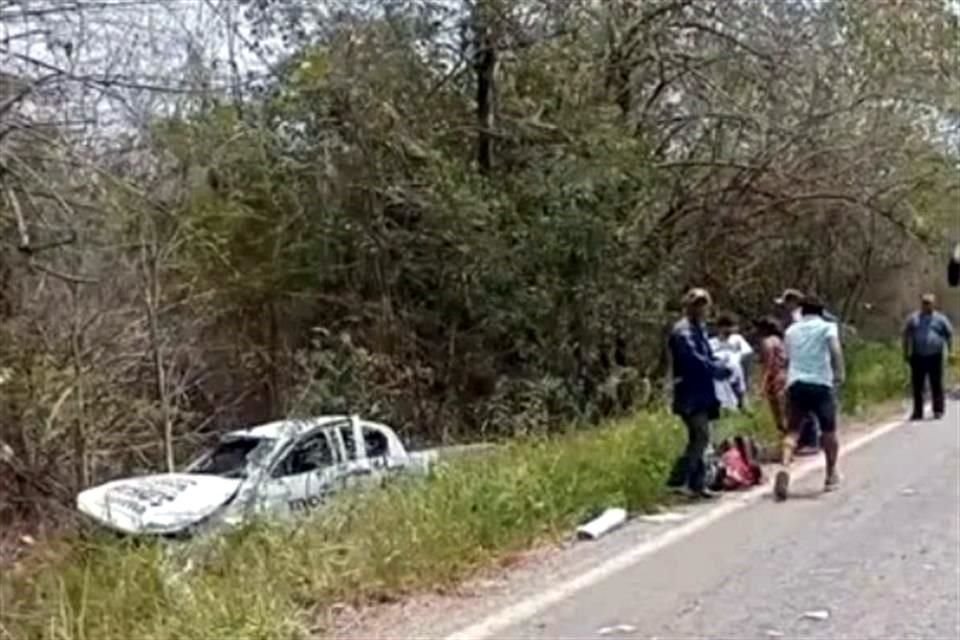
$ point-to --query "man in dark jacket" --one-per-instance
(694, 394)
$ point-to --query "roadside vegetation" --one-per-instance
(471, 220)
(283, 582)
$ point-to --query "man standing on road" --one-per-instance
(790, 301)
(926, 336)
(815, 368)
(694, 396)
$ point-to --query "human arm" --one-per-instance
(947, 330)
(745, 349)
(686, 354)
(907, 338)
(836, 358)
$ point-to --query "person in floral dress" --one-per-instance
(773, 358)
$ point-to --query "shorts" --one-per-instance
(805, 399)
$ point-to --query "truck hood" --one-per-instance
(156, 504)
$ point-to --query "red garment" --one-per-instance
(738, 472)
(773, 354)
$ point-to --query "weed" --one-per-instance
(271, 582)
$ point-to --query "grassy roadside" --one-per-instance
(270, 582)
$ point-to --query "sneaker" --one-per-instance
(706, 494)
(832, 483)
(938, 416)
(681, 490)
(915, 417)
(781, 485)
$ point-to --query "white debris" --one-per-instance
(820, 615)
(620, 628)
(772, 633)
(605, 523)
(908, 492)
(663, 518)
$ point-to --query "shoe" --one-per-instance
(832, 483)
(781, 485)
(915, 417)
(706, 494)
(682, 491)
(938, 416)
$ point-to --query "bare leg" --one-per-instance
(781, 482)
(788, 448)
(831, 450)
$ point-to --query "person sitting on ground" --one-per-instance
(694, 394)
(815, 369)
(731, 348)
(773, 359)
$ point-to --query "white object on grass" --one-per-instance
(605, 523)
(819, 615)
(620, 628)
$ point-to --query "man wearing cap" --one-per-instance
(926, 335)
(694, 396)
(815, 368)
(790, 301)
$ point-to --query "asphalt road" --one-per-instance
(878, 560)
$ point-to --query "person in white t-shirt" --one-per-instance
(815, 370)
(732, 349)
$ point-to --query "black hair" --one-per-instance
(812, 305)
(726, 320)
(769, 326)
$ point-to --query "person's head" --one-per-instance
(811, 305)
(928, 303)
(726, 325)
(769, 326)
(696, 304)
(790, 299)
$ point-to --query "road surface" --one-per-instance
(878, 560)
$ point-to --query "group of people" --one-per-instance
(802, 366)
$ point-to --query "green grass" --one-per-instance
(274, 582)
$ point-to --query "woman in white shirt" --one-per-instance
(732, 349)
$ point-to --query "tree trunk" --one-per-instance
(485, 66)
(152, 301)
(79, 436)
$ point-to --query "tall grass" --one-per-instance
(276, 582)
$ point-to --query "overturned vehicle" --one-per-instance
(273, 470)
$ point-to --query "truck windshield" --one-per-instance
(232, 457)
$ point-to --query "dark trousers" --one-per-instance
(690, 470)
(923, 368)
(809, 433)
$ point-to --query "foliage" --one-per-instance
(472, 219)
(276, 581)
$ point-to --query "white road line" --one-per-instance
(526, 609)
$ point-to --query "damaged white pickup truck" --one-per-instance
(273, 470)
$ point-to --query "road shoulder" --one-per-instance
(521, 575)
